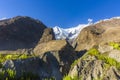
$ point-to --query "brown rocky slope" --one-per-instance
(99, 33)
(20, 32)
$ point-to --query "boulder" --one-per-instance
(35, 67)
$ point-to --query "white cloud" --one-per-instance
(90, 20)
(3, 18)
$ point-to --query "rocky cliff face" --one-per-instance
(99, 33)
(20, 33)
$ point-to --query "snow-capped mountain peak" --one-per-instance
(69, 33)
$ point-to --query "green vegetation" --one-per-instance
(106, 59)
(75, 62)
(115, 45)
(4, 57)
(110, 61)
(70, 78)
(2, 74)
(10, 74)
(67, 78)
(7, 74)
(24, 56)
(93, 52)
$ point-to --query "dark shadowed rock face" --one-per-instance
(61, 50)
(20, 33)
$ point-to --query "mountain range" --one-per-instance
(29, 50)
(73, 32)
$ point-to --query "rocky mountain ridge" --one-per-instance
(22, 31)
(100, 33)
(29, 51)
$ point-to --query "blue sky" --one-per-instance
(63, 13)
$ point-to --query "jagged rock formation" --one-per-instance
(94, 70)
(99, 33)
(20, 33)
(61, 50)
